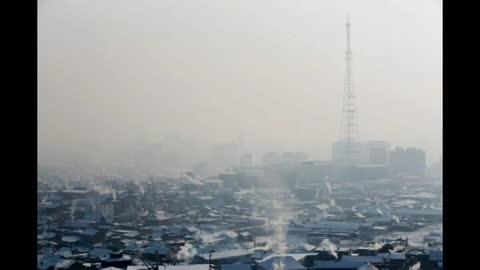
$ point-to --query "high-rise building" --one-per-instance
(378, 152)
(368, 153)
(284, 158)
(271, 158)
(293, 157)
(340, 151)
(246, 160)
(409, 161)
(436, 169)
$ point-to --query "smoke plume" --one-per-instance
(327, 245)
(186, 252)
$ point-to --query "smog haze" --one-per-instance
(113, 75)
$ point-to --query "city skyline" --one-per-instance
(239, 135)
(138, 91)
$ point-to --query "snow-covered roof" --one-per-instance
(154, 250)
(159, 215)
(47, 235)
(435, 254)
(426, 211)
(174, 267)
(281, 262)
(90, 232)
(363, 259)
(336, 264)
(333, 225)
(420, 195)
(226, 254)
(236, 266)
(65, 252)
(405, 202)
(296, 256)
(394, 256)
(231, 234)
(131, 234)
(245, 234)
(47, 260)
(70, 239)
(367, 266)
(124, 257)
(64, 264)
(99, 252)
(76, 191)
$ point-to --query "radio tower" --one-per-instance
(349, 128)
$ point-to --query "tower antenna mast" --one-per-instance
(349, 125)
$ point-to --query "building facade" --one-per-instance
(409, 161)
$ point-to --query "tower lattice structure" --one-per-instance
(349, 125)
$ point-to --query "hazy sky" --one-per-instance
(271, 71)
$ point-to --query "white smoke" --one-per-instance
(73, 209)
(329, 187)
(187, 179)
(280, 216)
(94, 207)
(142, 191)
(327, 245)
(279, 242)
(186, 252)
(92, 184)
(278, 266)
(332, 203)
(308, 247)
(102, 190)
(397, 220)
(376, 246)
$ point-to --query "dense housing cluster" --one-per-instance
(250, 218)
